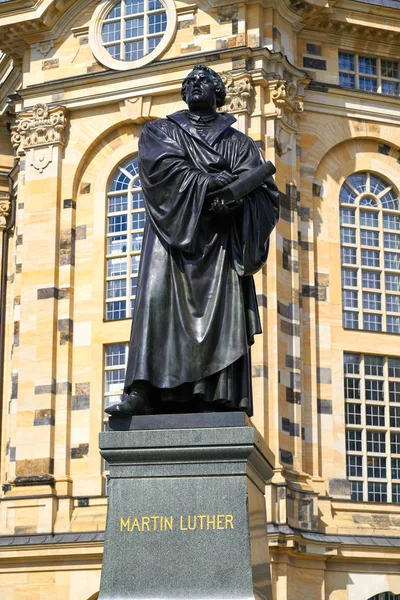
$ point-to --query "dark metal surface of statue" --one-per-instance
(196, 310)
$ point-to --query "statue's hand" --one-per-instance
(222, 179)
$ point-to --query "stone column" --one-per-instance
(186, 516)
(38, 138)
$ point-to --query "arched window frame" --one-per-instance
(125, 226)
(370, 253)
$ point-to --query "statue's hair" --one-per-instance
(219, 87)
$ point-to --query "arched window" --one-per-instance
(125, 225)
(370, 253)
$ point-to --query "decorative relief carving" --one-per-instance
(289, 106)
(39, 130)
(4, 211)
(239, 92)
(43, 47)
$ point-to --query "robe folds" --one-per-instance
(196, 309)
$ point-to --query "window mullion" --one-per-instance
(146, 27)
(379, 73)
(123, 29)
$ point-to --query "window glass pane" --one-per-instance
(390, 68)
(373, 365)
(376, 441)
(350, 320)
(347, 195)
(347, 80)
(396, 500)
(115, 355)
(394, 367)
(368, 201)
(116, 310)
(371, 301)
(394, 391)
(349, 277)
(153, 43)
(134, 50)
(372, 322)
(369, 238)
(157, 23)
(138, 220)
(392, 260)
(348, 235)
(347, 216)
(134, 27)
(137, 200)
(134, 7)
(350, 299)
(370, 258)
(371, 280)
(117, 203)
(375, 415)
(358, 181)
(392, 240)
(390, 87)
(349, 256)
(116, 267)
(394, 416)
(376, 467)
(115, 12)
(369, 84)
(389, 200)
(391, 221)
(353, 440)
(354, 465)
(137, 240)
(116, 288)
(117, 224)
(134, 282)
(346, 61)
(374, 390)
(111, 32)
(377, 492)
(377, 184)
(115, 380)
(352, 363)
(395, 443)
(135, 264)
(392, 324)
(368, 219)
(357, 490)
(352, 388)
(393, 303)
(367, 65)
(117, 244)
(392, 282)
(353, 414)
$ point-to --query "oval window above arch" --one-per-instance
(131, 33)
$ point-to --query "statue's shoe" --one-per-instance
(135, 404)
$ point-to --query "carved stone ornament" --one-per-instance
(289, 106)
(4, 211)
(43, 47)
(239, 91)
(39, 130)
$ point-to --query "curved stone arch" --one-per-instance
(352, 156)
(338, 131)
(369, 586)
(108, 147)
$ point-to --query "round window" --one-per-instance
(131, 33)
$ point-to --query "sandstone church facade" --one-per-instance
(316, 83)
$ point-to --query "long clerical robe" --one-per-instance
(196, 309)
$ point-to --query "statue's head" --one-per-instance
(203, 87)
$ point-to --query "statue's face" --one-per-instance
(200, 91)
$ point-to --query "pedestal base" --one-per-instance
(186, 517)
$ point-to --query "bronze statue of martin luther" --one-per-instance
(209, 217)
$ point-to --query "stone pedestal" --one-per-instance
(186, 517)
